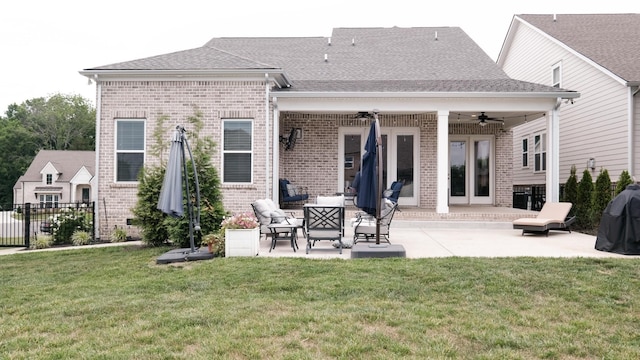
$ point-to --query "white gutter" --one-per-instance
(428, 94)
(94, 188)
(266, 134)
(631, 130)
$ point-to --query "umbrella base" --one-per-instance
(363, 250)
(182, 255)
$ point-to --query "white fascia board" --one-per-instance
(448, 95)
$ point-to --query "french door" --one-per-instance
(400, 158)
(471, 170)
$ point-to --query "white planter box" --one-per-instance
(241, 242)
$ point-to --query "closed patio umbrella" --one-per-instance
(369, 191)
(171, 197)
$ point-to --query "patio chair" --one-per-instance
(365, 225)
(290, 193)
(323, 222)
(268, 213)
(552, 216)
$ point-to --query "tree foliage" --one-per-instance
(59, 122)
(571, 189)
(584, 201)
(623, 181)
(158, 227)
(601, 196)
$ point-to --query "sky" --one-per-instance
(44, 43)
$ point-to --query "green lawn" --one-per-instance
(116, 303)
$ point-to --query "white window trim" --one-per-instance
(523, 153)
(116, 151)
(543, 144)
(223, 152)
(558, 66)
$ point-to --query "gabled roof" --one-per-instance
(424, 59)
(66, 162)
(610, 40)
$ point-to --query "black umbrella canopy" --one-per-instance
(368, 184)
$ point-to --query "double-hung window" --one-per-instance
(525, 152)
(556, 75)
(49, 179)
(237, 151)
(540, 152)
(130, 147)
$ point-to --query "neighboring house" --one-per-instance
(596, 55)
(57, 177)
(431, 86)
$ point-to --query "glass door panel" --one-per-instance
(458, 172)
(353, 148)
(482, 153)
(405, 164)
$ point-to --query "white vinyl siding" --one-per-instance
(594, 126)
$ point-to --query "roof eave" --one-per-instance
(428, 94)
(276, 75)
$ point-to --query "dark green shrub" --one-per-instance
(601, 196)
(623, 181)
(571, 190)
(68, 221)
(584, 201)
(146, 216)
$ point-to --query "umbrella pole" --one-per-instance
(379, 174)
(186, 184)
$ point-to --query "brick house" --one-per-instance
(434, 89)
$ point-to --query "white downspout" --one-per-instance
(553, 149)
(630, 131)
(276, 152)
(266, 135)
(442, 200)
(94, 187)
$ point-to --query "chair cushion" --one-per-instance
(263, 211)
(291, 190)
(330, 200)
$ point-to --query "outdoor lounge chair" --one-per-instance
(552, 216)
(290, 193)
(364, 227)
(323, 222)
(268, 213)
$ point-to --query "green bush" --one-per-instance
(156, 227)
(571, 190)
(118, 235)
(68, 221)
(81, 238)
(623, 181)
(601, 196)
(584, 209)
(42, 242)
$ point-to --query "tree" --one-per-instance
(158, 227)
(584, 201)
(571, 189)
(623, 181)
(60, 122)
(601, 196)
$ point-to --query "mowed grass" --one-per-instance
(116, 303)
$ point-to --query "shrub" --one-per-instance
(571, 190)
(42, 242)
(118, 235)
(623, 181)
(81, 238)
(584, 201)
(68, 221)
(601, 196)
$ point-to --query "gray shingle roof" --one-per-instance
(610, 40)
(423, 59)
(66, 162)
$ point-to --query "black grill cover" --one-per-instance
(619, 230)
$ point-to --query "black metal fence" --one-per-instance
(530, 197)
(21, 225)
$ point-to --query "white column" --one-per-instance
(553, 156)
(275, 152)
(442, 201)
